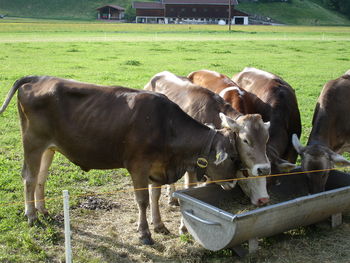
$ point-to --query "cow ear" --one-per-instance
(267, 125)
(227, 122)
(297, 145)
(285, 166)
(220, 157)
(339, 160)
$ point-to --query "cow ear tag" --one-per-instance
(202, 162)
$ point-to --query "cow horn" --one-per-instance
(296, 143)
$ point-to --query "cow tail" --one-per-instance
(14, 88)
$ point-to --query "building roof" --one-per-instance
(162, 3)
(112, 6)
(200, 2)
(148, 5)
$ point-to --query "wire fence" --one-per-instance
(3, 204)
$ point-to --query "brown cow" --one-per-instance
(102, 127)
(330, 134)
(282, 112)
(249, 133)
(241, 100)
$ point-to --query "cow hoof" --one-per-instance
(146, 241)
(174, 202)
(161, 229)
(32, 218)
(32, 221)
(44, 212)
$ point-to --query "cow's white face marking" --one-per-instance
(259, 72)
(259, 169)
(224, 91)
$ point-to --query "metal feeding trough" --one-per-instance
(215, 228)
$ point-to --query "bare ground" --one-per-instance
(104, 230)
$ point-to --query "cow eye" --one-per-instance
(246, 141)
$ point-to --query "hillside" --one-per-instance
(298, 12)
(58, 9)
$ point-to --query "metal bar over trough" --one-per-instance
(215, 228)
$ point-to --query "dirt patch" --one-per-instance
(97, 203)
(104, 230)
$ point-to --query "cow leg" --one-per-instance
(46, 161)
(159, 226)
(190, 181)
(31, 167)
(172, 200)
(140, 181)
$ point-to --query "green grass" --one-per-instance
(129, 55)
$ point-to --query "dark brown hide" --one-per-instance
(102, 127)
(330, 134)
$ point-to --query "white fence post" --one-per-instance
(67, 232)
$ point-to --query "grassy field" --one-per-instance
(130, 55)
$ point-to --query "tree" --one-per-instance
(130, 14)
(342, 6)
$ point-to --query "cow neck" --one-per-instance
(202, 160)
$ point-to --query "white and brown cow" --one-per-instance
(106, 127)
(249, 134)
(281, 110)
(330, 134)
(241, 100)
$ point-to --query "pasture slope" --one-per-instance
(103, 226)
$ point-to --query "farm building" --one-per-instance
(189, 11)
(110, 12)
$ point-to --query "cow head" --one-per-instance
(318, 158)
(251, 136)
